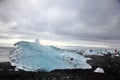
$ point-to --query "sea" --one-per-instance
(4, 53)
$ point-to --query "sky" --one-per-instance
(85, 23)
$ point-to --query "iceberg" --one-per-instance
(32, 56)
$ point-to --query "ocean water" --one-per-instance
(4, 54)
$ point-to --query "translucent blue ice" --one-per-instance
(30, 56)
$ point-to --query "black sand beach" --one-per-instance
(111, 66)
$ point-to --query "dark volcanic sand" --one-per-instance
(110, 65)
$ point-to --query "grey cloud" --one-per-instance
(65, 19)
(118, 0)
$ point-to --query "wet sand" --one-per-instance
(111, 66)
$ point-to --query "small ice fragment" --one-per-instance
(99, 70)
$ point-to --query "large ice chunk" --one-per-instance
(30, 56)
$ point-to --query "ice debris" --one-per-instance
(32, 56)
(99, 70)
(100, 52)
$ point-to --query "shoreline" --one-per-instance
(110, 65)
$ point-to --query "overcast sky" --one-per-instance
(87, 23)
